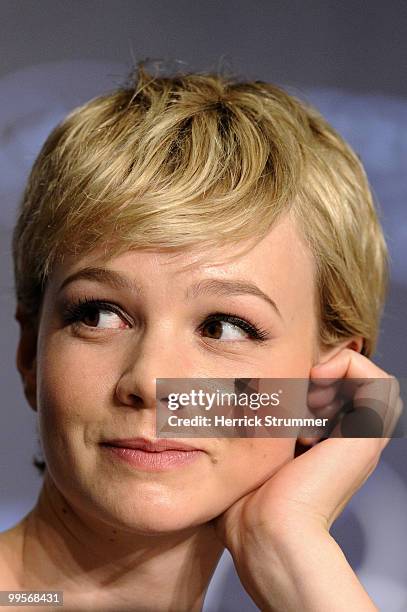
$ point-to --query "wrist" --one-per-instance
(269, 558)
(298, 567)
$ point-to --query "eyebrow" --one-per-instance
(209, 286)
(215, 286)
(102, 275)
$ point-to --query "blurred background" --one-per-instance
(349, 58)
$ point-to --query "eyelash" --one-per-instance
(76, 310)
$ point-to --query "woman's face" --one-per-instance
(96, 376)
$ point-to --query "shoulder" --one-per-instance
(11, 545)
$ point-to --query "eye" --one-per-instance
(98, 314)
(233, 328)
(93, 313)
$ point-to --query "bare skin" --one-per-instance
(115, 538)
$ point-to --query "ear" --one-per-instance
(354, 343)
(26, 358)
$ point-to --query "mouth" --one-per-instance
(152, 455)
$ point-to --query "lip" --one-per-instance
(152, 455)
(151, 446)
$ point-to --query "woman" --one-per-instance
(192, 227)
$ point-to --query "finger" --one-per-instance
(320, 397)
(375, 394)
(346, 364)
(328, 412)
(396, 407)
(396, 414)
(373, 411)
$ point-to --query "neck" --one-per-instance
(101, 568)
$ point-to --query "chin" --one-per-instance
(150, 510)
(159, 526)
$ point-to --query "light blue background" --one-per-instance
(56, 58)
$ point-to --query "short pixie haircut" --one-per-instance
(204, 159)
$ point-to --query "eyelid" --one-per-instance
(255, 332)
(74, 308)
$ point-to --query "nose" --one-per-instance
(157, 356)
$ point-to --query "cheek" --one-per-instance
(250, 462)
(72, 380)
(71, 397)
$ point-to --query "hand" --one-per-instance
(292, 511)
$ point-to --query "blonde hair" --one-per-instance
(172, 162)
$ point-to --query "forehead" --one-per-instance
(280, 264)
